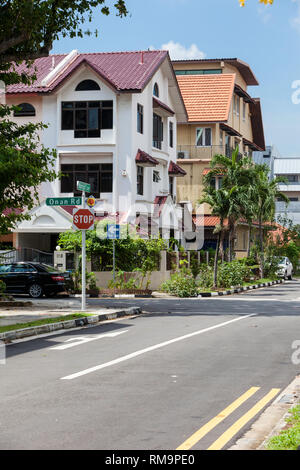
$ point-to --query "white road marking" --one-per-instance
(85, 339)
(152, 348)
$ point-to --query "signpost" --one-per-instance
(113, 233)
(83, 219)
(63, 201)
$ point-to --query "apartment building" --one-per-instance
(222, 115)
(112, 119)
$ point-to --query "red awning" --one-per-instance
(144, 159)
(176, 170)
(167, 111)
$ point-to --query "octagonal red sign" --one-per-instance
(83, 219)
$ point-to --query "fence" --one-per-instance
(26, 254)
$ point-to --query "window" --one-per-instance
(140, 180)
(291, 178)
(171, 134)
(221, 138)
(25, 109)
(244, 111)
(199, 72)
(86, 118)
(156, 176)
(87, 85)
(99, 176)
(156, 90)
(158, 131)
(203, 137)
(23, 268)
(237, 105)
(171, 185)
(293, 199)
(140, 118)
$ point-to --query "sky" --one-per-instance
(266, 37)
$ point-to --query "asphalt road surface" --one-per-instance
(188, 374)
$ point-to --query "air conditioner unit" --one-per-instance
(183, 154)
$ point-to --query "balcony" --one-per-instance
(292, 207)
(203, 153)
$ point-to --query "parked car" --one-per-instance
(35, 279)
(285, 268)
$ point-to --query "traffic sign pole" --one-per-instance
(114, 260)
(83, 262)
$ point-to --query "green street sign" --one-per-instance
(81, 186)
(63, 201)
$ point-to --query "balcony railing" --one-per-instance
(205, 153)
(293, 206)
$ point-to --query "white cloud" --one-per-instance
(295, 21)
(178, 51)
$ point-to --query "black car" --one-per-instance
(35, 279)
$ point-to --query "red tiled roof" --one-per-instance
(125, 71)
(206, 220)
(159, 104)
(176, 170)
(145, 159)
(207, 97)
(207, 170)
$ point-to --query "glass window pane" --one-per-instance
(93, 181)
(67, 120)
(93, 119)
(107, 104)
(80, 119)
(208, 136)
(94, 104)
(67, 105)
(107, 119)
(199, 138)
(80, 104)
(106, 182)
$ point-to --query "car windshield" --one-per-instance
(281, 260)
(48, 268)
(5, 268)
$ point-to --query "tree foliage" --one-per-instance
(28, 28)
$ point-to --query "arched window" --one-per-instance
(156, 90)
(25, 109)
(87, 85)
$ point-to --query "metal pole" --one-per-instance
(83, 262)
(114, 260)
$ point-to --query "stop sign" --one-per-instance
(83, 219)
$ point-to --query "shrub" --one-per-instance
(205, 276)
(182, 283)
(2, 288)
(233, 274)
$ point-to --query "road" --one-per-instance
(188, 374)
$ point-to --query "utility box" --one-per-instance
(64, 260)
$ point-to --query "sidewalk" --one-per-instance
(54, 309)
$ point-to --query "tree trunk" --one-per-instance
(261, 250)
(249, 240)
(216, 260)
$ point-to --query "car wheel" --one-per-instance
(35, 291)
(290, 277)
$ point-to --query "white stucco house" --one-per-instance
(112, 120)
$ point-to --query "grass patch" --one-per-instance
(44, 321)
(289, 438)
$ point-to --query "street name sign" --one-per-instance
(81, 186)
(63, 201)
(83, 219)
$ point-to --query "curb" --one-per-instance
(64, 325)
(240, 289)
(271, 421)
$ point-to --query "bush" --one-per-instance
(205, 276)
(182, 283)
(2, 288)
(233, 274)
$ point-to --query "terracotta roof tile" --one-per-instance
(207, 97)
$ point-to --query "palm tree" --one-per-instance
(265, 194)
(218, 199)
(236, 180)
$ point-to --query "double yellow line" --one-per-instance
(235, 428)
